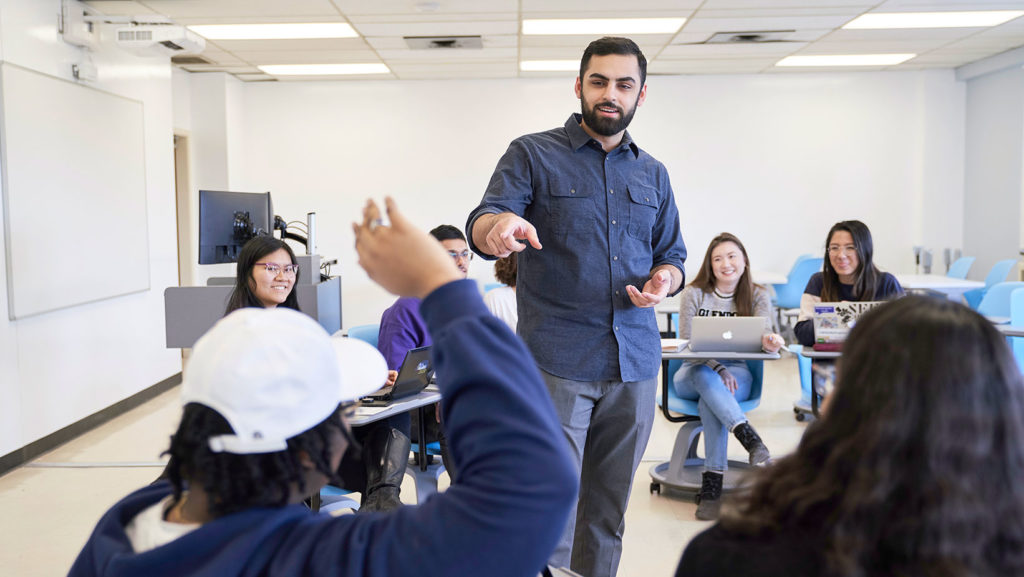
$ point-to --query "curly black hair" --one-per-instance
(238, 482)
(916, 468)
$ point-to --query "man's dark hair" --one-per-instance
(238, 482)
(614, 45)
(447, 232)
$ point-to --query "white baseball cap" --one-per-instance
(275, 373)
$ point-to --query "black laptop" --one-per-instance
(413, 377)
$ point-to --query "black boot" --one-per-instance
(386, 454)
(751, 441)
(709, 500)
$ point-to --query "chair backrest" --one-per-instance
(1017, 319)
(960, 267)
(999, 271)
(996, 302)
(366, 333)
(787, 296)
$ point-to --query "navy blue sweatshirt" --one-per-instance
(516, 485)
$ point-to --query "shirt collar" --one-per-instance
(579, 137)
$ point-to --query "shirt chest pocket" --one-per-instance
(643, 210)
(572, 208)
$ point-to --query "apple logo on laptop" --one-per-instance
(727, 335)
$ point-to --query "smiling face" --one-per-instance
(842, 255)
(609, 93)
(728, 265)
(272, 289)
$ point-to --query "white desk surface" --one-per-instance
(366, 415)
(937, 282)
(687, 354)
(1011, 330)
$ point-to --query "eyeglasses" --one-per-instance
(464, 255)
(275, 269)
(837, 250)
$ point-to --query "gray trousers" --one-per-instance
(607, 424)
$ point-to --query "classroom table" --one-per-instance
(365, 415)
(683, 470)
(953, 288)
(1011, 330)
(817, 355)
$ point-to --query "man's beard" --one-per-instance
(603, 125)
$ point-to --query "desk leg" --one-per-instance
(421, 447)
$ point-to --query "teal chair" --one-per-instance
(997, 274)
(788, 295)
(367, 333)
(996, 302)
(684, 469)
(493, 285)
(960, 267)
(803, 406)
(1017, 319)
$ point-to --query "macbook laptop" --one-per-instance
(833, 321)
(413, 377)
(726, 334)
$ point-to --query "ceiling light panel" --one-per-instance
(819, 60)
(324, 69)
(600, 26)
(878, 21)
(550, 66)
(280, 31)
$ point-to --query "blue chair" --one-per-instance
(366, 333)
(804, 406)
(997, 274)
(493, 285)
(996, 302)
(425, 477)
(960, 267)
(1017, 319)
(333, 498)
(685, 467)
(787, 296)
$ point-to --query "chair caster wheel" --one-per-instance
(800, 417)
(656, 488)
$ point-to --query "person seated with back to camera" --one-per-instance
(264, 426)
(914, 468)
(502, 300)
(849, 274)
(722, 287)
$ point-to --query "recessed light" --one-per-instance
(324, 69)
(845, 60)
(550, 65)
(600, 26)
(887, 20)
(275, 31)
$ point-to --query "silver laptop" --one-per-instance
(727, 334)
(833, 321)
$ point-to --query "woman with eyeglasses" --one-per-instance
(849, 275)
(266, 275)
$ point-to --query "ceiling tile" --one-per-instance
(307, 44)
(731, 51)
(446, 7)
(242, 8)
(698, 24)
(118, 7)
(314, 57)
(438, 28)
(448, 55)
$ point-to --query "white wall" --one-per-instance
(62, 366)
(775, 159)
(995, 152)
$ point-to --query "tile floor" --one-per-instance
(49, 506)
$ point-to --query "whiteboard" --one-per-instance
(74, 193)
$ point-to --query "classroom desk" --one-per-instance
(817, 355)
(366, 415)
(684, 469)
(1011, 330)
(953, 288)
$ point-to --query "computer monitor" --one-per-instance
(227, 220)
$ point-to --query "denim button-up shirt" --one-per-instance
(605, 220)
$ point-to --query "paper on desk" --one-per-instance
(673, 345)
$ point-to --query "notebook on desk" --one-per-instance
(413, 377)
(726, 334)
(833, 321)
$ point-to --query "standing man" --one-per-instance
(609, 225)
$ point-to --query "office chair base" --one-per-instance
(802, 411)
(684, 470)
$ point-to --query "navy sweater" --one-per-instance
(516, 485)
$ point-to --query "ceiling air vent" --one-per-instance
(443, 42)
(752, 37)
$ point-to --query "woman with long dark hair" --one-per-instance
(915, 468)
(722, 287)
(266, 274)
(849, 274)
